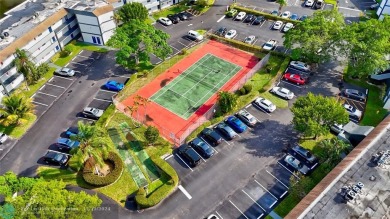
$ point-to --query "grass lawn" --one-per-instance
(333, 2)
(170, 10)
(33, 88)
(77, 47)
(18, 131)
(279, 102)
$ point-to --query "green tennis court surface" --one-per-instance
(192, 88)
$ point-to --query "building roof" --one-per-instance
(325, 200)
(355, 129)
(102, 10)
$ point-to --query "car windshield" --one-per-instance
(95, 111)
(58, 157)
(268, 44)
(203, 145)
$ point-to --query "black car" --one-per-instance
(55, 158)
(228, 132)
(182, 16)
(189, 154)
(304, 155)
(319, 4)
(249, 18)
(258, 20)
(211, 136)
(221, 31)
(174, 18)
(202, 148)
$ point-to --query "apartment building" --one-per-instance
(384, 9)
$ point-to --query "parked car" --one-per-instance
(236, 124)
(3, 137)
(182, 16)
(212, 136)
(202, 148)
(354, 94)
(189, 154)
(67, 72)
(231, 34)
(283, 92)
(56, 158)
(221, 31)
(270, 45)
(165, 21)
(67, 144)
(213, 216)
(352, 111)
(336, 128)
(285, 14)
(305, 155)
(319, 4)
(247, 118)
(194, 35)
(277, 25)
(114, 85)
(71, 131)
(274, 13)
(296, 164)
(309, 3)
(300, 66)
(264, 104)
(294, 78)
(228, 132)
(258, 20)
(175, 19)
(287, 27)
(249, 39)
(294, 17)
(304, 17)
(231, 13)
(92, 113)
(240, 16)
(249, 18)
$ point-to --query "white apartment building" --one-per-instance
(384, 9)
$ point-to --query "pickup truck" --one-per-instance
(270, 45)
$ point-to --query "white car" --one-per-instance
(337, 128)
(287, 27)
(270, 45)
(277, 25)
(165, 21)
(67, 72)
(240, 16)
(230, 34)
(283, 92)
(309, 3)
(249, 39)
(352, 111)
(286, 14)
(264, 104)
(3, 137)
(300, 65)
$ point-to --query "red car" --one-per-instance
(294, 78)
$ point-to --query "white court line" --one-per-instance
(208, 144)
(102, 100)
(238, 209)
(266, 190)
(42, 87)
(182, 189)
(63, 78)
(40, 103)
(276, 179)
(184, 162)
(253, 200)
(350, 9)
(46, 94)
(288, 170)
(221, 19)
(218, 214)
(56, 85)
(168, 157)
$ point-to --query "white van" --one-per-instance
(194, 35)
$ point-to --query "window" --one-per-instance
(71, 35)
(57, 48)
(50, 30)
(43, 44)
(54, 39)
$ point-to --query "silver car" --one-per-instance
(296, 164)
(67, 72)
(265, 104)
(352, 111)
(3, 138)
(355, 94)
(247, 118)
(283, 92)
(92, 113)
(250, 39)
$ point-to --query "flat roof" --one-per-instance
(326, 200)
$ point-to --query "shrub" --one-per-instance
(184, 52)
(248, 88)
(91, 178)
(151, 134)
(241, 91)
(68, 49)
(282, 67)
(265, 15)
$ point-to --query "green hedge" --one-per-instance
(266, 15)
(148, 200)
(282, 68)
(91, 178)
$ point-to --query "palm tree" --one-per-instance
(17, 109)
(333, 148)
(93, 145)
(24, 64)
(281, 3)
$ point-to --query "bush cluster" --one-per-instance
(282, 67)
(246, 89)
(91, 178)
(265, 15)
(68, 49)
(148, 200)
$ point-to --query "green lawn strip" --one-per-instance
(170, 10)
(333, 2)
(68, 176)
(374, 112)
(28, 92)
(18, 131)
(202, 9)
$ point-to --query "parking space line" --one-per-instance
(255, 41)
(82, 117)
(285, 192)
(248, 106)
(184, 191)
(349, 9)
(56, 85)
(42, 87)
(173, 47)
(266, 190)
(288, 170)
(80, 63)
(289, 83)
(109, 91)
(200, 156)
(169, 156)
(181, 44)
(50, 79)
(67, 64)
(221, 19)
(253, 200)
(86, 57)
(122, 75)
(46, 94)
(218, 214)
(103, 100)
(276, 201)
(226, 142)
(40, 103)
(277, 179)
(184, 162)
(208, 144)
(63, 78)
(263, 111)
(238, 209)
(59, 152)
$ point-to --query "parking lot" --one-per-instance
(358, 104)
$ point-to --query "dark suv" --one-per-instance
(189, 154)
(174, 18)
(212, 136)
(221, 31)
(304, 155)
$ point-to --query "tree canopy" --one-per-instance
(227, 101)
(132, 11)
(136, 40)
(151, 134)
(16, 111)
(314, 114)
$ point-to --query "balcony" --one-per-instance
(67, 33)
(65, 23)
(13, 82)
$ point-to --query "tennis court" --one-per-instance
(195, 85)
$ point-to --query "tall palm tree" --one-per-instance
(333, 148)
(17, 109)
(93, 145)
(24, 64)
(281, 3)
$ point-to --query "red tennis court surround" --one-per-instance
(171, 126)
